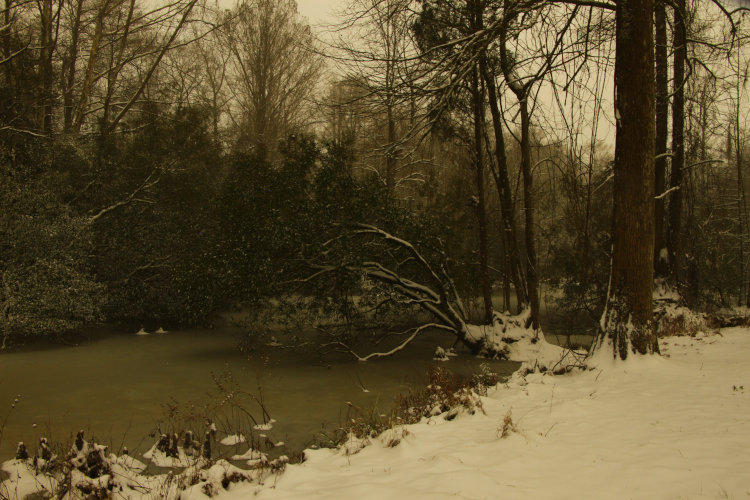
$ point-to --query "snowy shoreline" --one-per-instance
(674, 426)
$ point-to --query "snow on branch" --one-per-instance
(666, 193)
(414, 332)
(439, 303)
(146, 184)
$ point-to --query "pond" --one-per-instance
(123, 388)
(120, 388)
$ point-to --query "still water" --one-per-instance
(119, 387)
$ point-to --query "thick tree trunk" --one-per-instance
(478, 102)
(662, 115)
(627, 325)
(678, 141)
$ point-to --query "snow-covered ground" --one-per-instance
(669, 427)
(656, 428)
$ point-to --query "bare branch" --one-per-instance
(131, 198)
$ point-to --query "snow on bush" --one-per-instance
(88, 470)
(673, 318)
(509, 338)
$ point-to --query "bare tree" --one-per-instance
(274, 70)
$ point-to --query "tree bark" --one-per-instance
(390, 152)
(678, 141)
(662, 115)
(88, 81)
(7, 49)
(521, 91)
(115, 66)
(478, 103)
(69, 69)
(502, 182)
(627, 325)
(45, 65)
(532, 278)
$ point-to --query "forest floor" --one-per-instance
(663, 427)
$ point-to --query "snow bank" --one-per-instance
(665, 427)
(508, 337)
(125, 479)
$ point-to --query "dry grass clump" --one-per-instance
(446, 393)
(508, 426)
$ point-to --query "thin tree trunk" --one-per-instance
(741, 180)
(521, 91)
(678, 142)
(390, 152)
(5, 311)
(88, 81)
(7, 49)
(532, 278)
(69, 69)
(662, 112)
(45, 65)
(115, 67)
(506, 272)
(147, 77)
(741, 223)
(502, 182)
(478, 102)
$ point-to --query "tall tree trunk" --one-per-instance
(741, 179)
(532, 278)
(502, 183)
(678, 141)
(478, 102)
(115, 66)
(45, 65)
(88, 81)
(662, 115)
(506, 272)
(742, 295)
(69, 69)
(521, 91)
(627, 325)
(7, 36)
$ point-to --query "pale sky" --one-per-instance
(319, 11)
